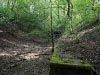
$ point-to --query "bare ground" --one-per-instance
(23, 57)
(86, 48)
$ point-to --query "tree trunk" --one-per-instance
(52, 39)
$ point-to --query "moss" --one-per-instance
(55, 59)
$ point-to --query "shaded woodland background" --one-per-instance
(31, 29)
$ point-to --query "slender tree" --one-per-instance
(52, 39)
(69, 13)
(70, 6)
(58, 9)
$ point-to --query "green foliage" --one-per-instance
(38, 33)
(3, 21)
(33, 16)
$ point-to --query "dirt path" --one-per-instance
(23, 57)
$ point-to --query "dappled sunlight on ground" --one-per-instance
(28, 56)
(23, 57)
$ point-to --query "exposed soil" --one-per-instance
(86, 48)
(19, 57)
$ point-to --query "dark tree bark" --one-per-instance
(70, 6)
(58, 10)
(52, 39)
(69, 13)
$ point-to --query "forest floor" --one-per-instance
(85, 49)
(19, 57)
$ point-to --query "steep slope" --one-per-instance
(87, 48)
